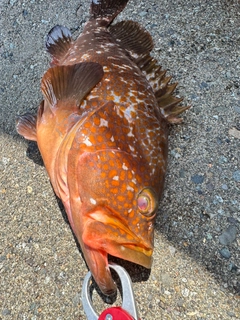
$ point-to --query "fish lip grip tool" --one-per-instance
(128, 310)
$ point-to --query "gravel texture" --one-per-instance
(196, 269)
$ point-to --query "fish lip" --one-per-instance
(130, 252)
(136, 250)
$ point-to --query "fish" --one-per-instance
(102, 131)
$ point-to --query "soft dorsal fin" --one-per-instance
(132, 37)
(26, 126)
(167, 103)
(70, 83)
(59, 40)
(106, 10)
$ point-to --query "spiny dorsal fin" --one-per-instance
(71, 83)
(132, 37)
(168, 104)
(59, 40)
(26, 126)
(106, 10)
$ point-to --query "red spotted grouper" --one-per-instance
(102, 130)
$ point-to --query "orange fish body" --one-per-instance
(102, 132)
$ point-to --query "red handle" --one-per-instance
(117, 313)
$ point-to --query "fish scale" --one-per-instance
(102, 130)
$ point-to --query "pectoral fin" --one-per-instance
(26, 126)
(70, 84)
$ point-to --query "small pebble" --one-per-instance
(197, 179)
(236, 176)
(232, 220)
(33, 306)
(228, 236)
(2, 258)
(232, 267)
(24, 13)
(168, 293)
(237, 109)
(218, 199)
(182, 173)
(209, 236)
(221, 211)
(185, 292)
(150, 297)
(172, 250)
(29, 189)
(210, 186)
(143, 13)
(6, 312)
(224, 187)
(223, 159)
(203, 85)
(175, 154)
(228, 74)
(225, 253)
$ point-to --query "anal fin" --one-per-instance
(26, 126)
(58, 42)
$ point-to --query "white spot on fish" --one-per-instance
(130, 134)
(105, 69)
(150, 226)
(132, 148)
(129, 188)
(129, 112)
(110, 44)
(112, 138)
(116, 178)
(85, 56)
(87, 142)
(123, 80)
(93, 201)
(134, 181)
(114, 58)
(130, 210)
(103, 123)
(124, 166)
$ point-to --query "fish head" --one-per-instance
(118, 209)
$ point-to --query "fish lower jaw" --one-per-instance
(133, 253)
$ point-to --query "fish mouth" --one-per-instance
(105, 233)
(133, 253)
(116, 238)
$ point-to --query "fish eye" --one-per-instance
(147, 202)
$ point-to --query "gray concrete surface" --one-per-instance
(196, 270)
